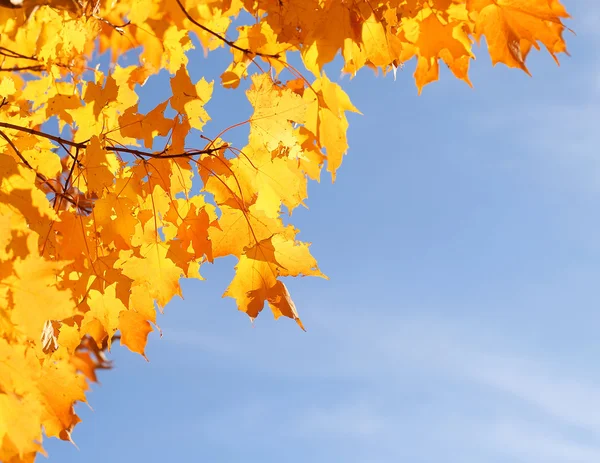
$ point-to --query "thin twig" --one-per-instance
(119, 29)
(70, 176)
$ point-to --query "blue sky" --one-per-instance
(460, 320)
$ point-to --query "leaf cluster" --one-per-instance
(104, 208)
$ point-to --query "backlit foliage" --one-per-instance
(105, 207)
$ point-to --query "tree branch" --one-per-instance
(15, 149)
(8, 125)
(164, 154)
(13, 54)
(41, 177)
(33, 67)
(221, 38)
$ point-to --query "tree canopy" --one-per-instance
(105, 207)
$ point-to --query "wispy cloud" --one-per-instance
(423, 383)
(347, 420)
(529, 442)
(570, 400)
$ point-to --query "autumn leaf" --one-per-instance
(189, 98)
(257, 272)
(7, 87)
(511, 27)
(105, 307)
(134, 330)
(276, 108)
(152, 269)
(327, 120)
(35, 293)
(101, 166)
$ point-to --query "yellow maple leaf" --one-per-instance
(105, 307)
(259, 267)
(145, 126)
(512, 26)
(334, 25)
(326, 119)
(238, 229)
(34, 286)
(437, 40)
(7, 87)
(115, 219)
(275, 109)
(153, 270)
(189, 99)
(20, 432)
(101, 166)
(134, 330)
(176, 43)
(60, 387)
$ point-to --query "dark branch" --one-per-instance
(13, 54)
(60, 140)
(15, 149)
(40, 177)
(33, 67)
(164, 154)
(220, 37)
